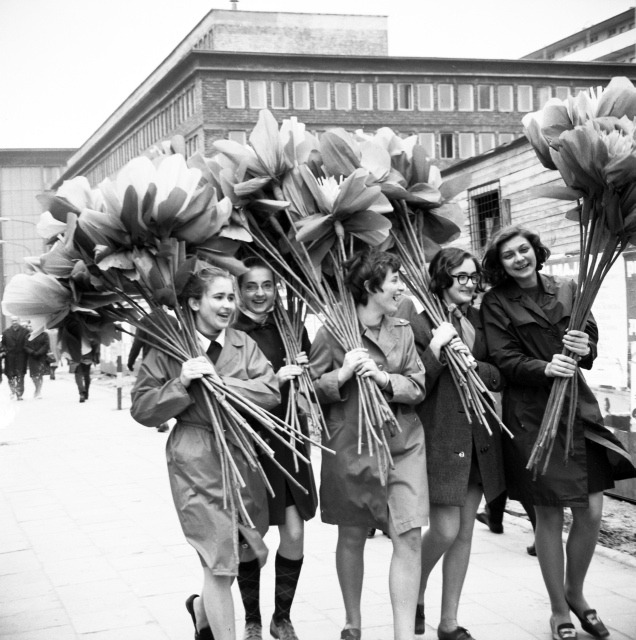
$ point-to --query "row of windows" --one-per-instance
(442, 145)
(159, 128)
(594, 37)
(385, 96)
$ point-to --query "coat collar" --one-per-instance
(387, 338)
(514, 292)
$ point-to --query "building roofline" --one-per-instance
(468, 162)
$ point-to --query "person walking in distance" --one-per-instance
(15, 359)
(38, 360)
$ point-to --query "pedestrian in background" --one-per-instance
(290, 507)
(353, 494)
(15, 356)
(38, 360)
(82, 368)
(526, 319)
(463, 460)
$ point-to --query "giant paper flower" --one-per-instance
(347, 204)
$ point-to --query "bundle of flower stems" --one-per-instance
(474, 395)
(337, 312)
(599, 252)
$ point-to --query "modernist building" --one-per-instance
(24, 173)
(458, 107)
(612, 40)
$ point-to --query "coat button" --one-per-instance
(461, 454)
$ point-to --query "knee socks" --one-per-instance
(249, 578)
(287, 574)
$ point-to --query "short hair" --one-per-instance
(444, 261)
(492, 263)
(200, 280)
(254, 262)
(370, 268)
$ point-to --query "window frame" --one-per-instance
(285, 93)
(228, 92)
(391, 97)
(295, 88)
(408, 86)
(327, 85)
(459, 97)
(369, 86)
(491, 97)
(349, 99)
(451, 89)
(431, 94)
(254, 84)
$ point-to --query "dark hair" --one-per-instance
(370, 268)
(443, 263)
(492, 262)
(254, 262)
(200, 280)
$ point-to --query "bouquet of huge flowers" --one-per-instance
(124, 250)
(591, 140)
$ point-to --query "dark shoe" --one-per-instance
(206, 632)
(82, 399)
(565, 631)
(163, 427)
(350, 634)
(253, 631)
(370, 534)
(532, 550)
(591, 623)
(283, 629)
(495, 527)
(420, 621)
(456, 634)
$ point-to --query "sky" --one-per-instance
(66, 65)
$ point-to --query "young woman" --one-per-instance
(167, 389)
(352, 493)
(290, 507)
(526, 316)
(463, 459)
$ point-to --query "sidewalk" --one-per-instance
(91, 549)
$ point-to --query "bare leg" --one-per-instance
(580, 546)
(551, 559)
(443, 527)
(350, 569)
(291, 535)
(404, 579)
(215, 607)
(456, 560)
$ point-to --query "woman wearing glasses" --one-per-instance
(463, 459)
(290, 507)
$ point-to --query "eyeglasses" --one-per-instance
(462, 278)
(267, 287)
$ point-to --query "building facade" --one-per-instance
(612, 40)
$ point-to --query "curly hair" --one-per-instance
(491, 262)
(365, 272)
(443, 263)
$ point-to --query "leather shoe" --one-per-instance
(564, 631)
(591, 623)
(532, 551)
(420, 620)
(495, 527)
(199, 634)
(350, 634)
(456, 634)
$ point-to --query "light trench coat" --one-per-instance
(352, 491)
(194, 466)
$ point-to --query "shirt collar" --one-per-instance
(205, 342)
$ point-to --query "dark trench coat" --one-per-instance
(15, 359)
(352, 491)
(450, 439)
(268, 338)
(521, 341)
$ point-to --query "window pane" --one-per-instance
(425, 97)
(385, 97)
(342, 92)
(258, 95)
(465, 97)
(301, 95)
(446, 149)
(364, 96)
(235, 95)
(484, 97)
(322, 95)
(545, 93)
(562, 93)
(237, 136)
(445, 99)
(280, 96)
(427, 140)
(506, 137)
(466, 145)
(504, 97)
(486, 142)
(524, 98)
(405, 96)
